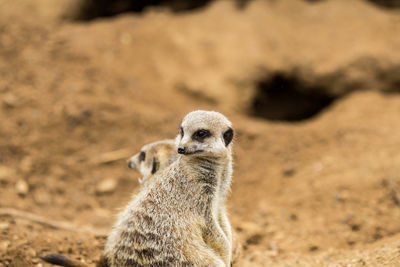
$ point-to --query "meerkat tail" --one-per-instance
(61, 260)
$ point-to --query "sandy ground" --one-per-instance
(323, 191)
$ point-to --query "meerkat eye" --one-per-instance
(200, 135)
(142, 156)
(181, 132)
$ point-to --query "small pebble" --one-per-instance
(4, 226)
(4, 245)
(10, 100)
(22, 187)
(31, 252)
(41, 197)
(106, 186)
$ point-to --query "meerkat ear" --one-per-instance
(228, 136)
(156, 166)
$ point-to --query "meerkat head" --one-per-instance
(204, 133)
(153, 157)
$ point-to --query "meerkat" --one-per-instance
(176, 219)
(153, 157)
(158, 155)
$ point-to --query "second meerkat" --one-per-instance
(174, 221)
(153, 157)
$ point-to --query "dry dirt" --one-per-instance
(78, 97)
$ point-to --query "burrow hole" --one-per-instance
(92, 9)
(389, 4)
(283, 97)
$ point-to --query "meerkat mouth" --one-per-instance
(193, 152)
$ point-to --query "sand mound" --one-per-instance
(311, 87)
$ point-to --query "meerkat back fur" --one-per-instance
(174, 220)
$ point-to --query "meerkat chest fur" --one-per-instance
(205, 176)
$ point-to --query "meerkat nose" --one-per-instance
(131, 164)
(182, 150)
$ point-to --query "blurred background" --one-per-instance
(312, 88)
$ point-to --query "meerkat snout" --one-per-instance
(135, 160)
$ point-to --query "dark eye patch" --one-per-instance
(182, 133)
(228, 136)
(200, 135)
(142, 156)
(156, 166)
